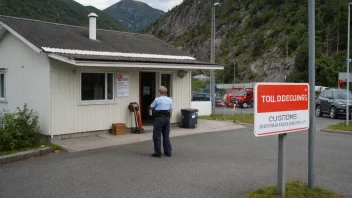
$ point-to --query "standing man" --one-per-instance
(162, 107)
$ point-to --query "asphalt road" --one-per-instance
(223, 164)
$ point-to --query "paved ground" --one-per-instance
(326, 121)
(105, 140)
(222, 164)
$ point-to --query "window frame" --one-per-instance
(4, 71)
(322, 94)
(171, 82)
(98, 102)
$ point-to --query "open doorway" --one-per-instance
(147, 95)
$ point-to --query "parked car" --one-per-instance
(332, 102)
(218, 101)
(200, 97)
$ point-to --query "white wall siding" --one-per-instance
(204, 107)
(28, 79)
(181, 95)
(68, 116)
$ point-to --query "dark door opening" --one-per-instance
(146, 95)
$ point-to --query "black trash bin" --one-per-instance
(189, 118)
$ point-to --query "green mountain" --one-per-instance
(58, 11)
(265, 40)
(134, 15)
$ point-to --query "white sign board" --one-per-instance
(123, 87)
(280, 108)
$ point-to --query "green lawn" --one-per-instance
(245, 118)
(42, 142)
(294, 190)
(341, 127)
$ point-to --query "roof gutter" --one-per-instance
(133, 65)
(12, 31)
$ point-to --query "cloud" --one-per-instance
(164, 5)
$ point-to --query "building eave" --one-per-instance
(82, 63)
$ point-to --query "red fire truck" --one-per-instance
(242, 97)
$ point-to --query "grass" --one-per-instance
(294, 189)
(245, 118)
(341, 127)
(55, 147)
(42, 142)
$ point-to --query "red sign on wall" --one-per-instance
(281, 108)
(120, 77)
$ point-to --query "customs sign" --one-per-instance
(280, 108)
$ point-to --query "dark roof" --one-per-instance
(53, 35)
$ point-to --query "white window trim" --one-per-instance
(4, 71)
(97, 102)
(171, 82)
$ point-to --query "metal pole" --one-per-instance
(348, 65)
(311, 132)
(212, 58)
(234, 73)
(223, 88)
(281, 176)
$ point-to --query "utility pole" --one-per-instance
(212, 57)
(234, 73)
(286, 52)
(286, 59)
(348, 64)
(311, 131)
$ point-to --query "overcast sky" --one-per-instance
(159, 4)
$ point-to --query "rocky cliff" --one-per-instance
(260, 38)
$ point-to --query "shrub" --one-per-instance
(19, 129)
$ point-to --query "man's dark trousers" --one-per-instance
(162, 127)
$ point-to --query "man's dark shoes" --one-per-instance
(156, 155)
(168, 154)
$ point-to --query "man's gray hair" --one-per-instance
(163, 90)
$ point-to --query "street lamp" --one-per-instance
(348, 66)
(212, 57)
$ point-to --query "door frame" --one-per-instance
(141, 87)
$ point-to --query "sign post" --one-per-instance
(281, 108)
(281, 176)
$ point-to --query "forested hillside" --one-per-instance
(59, 11)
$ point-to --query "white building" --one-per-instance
(201, 77)
(83, 79)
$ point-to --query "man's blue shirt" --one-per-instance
(162, 103)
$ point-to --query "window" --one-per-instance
(342, 95)
(2, 85)
(166, 80)
(97, 86)
(328, 94)
(323, 94)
